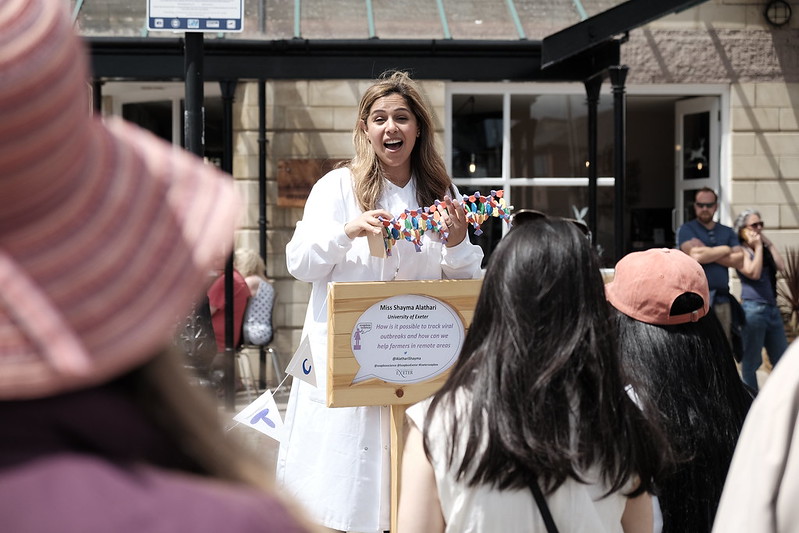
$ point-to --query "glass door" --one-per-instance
(696, 152)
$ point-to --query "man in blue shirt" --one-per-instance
(716, 247)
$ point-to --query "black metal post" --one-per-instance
(618, 77)
(229, 364)
(194, 115)
(592, 87)
(194, 118)
(262, 206)
(228, 90)
(97, 97)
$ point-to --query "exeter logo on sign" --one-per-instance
(406, 339)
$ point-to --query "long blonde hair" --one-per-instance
(432, 181)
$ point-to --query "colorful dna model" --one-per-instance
(413, 223)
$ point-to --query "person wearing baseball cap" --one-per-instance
(675, 353)
(106, 237)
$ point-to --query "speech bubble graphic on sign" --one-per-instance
(404, 339)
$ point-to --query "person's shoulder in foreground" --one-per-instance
(90, 495)
(101, 429)
(762, 486)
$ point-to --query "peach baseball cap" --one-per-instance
(646, 284)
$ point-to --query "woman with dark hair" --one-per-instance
(337, 461)
(535, 403)
(684, 377)
(764, 326)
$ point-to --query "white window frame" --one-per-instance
(506, 89)
(128, 92)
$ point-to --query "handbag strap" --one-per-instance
(543, 507)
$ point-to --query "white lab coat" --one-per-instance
(335, 461)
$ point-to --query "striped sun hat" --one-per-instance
(107, 233)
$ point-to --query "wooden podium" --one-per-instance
(393, 343)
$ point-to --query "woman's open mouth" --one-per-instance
(393, 145)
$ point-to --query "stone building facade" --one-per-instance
(723, 51)
(722, 43)
(730, 42)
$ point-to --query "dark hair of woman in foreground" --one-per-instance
(540, 362)
(686, 381)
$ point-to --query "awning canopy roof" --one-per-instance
(475, 40)
(494, 20)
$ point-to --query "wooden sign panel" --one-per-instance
(393, 342)
(296, 177)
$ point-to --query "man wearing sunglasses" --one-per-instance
(717, 248)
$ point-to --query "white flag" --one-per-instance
(301, 365)
(262, 415)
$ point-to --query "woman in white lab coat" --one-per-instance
(336, 460)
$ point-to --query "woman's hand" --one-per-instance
(366, 223)
(454, 221)
(753, 238)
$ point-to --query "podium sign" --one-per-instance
(393, 342)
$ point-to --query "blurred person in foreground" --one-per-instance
(106, 236)
(682, 375)
(762, 488)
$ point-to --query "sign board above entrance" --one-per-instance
(190, 15)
